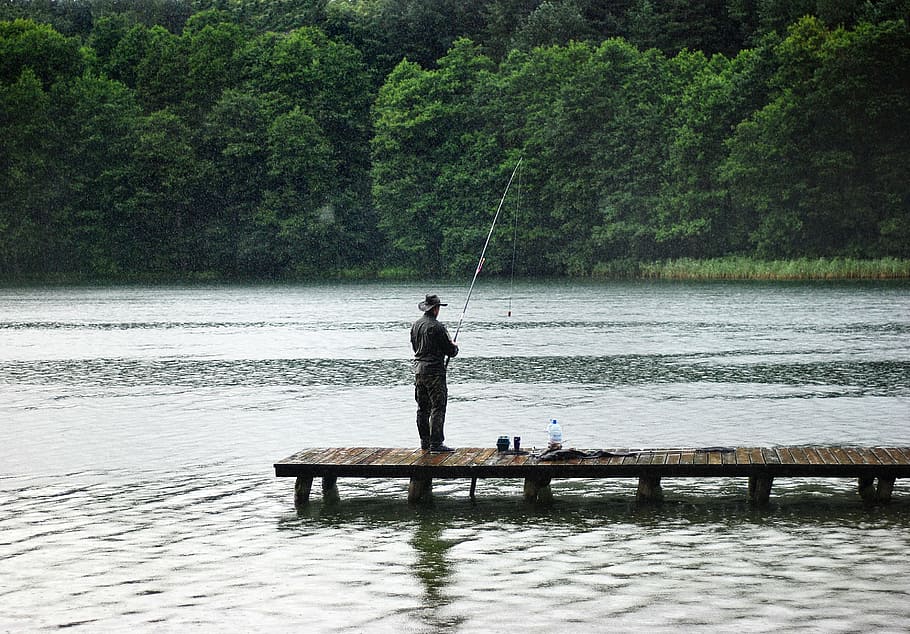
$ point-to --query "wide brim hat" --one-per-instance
(431, 301)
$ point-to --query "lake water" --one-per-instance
(139, 426)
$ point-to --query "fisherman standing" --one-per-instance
(431, 344)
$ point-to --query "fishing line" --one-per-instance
(483, 254)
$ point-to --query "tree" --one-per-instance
(72, 19)
(501, 19)
(49, 55)
(552, 22)
(235, 142)
(531, 85)
(431, 164)
(165, 176)
(823, 165)
(106, 34)
(295, 211)
(327, 79)
(389, 31)
(695, 216)
(701, 25)
(162, 74)
(211, 46)
(126, 54)
(28, 183)
(407, 130)
(97, 121)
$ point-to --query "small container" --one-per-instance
(554, 433)
(503, 443)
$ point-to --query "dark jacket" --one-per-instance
(431, 344)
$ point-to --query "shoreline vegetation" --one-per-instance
(735, 268)
(679, 270)
(742, 268)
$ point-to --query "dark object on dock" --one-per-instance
(569, 454)
(876, 468)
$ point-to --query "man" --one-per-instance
(431, 344)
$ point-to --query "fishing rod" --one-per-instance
(483, 253)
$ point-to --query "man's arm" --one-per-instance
(449, 346)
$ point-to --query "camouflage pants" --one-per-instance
(431, 394)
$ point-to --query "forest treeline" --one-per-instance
(279, 138)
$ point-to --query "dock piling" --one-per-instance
(302, 487)
(875, 490)
(330, 489)
(649, 489)
(420, 490)
(884, 489)
(760, 488)
(537, 490)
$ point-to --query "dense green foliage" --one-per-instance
(305, 137)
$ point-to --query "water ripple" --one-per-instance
(713, 327)
(820, 377)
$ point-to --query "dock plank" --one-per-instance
(507, 459)
(364, 456)
(330, 456)
(901, 455)
(868, 456)
(520, 460)
(490, 459)
(854, 456)
(813, 456)
(484, 456)
(841, 456)
(414, 458)
(469, 456)
(826, 454)
(616, 460)
(891, 459)
(742, 455)
(799, 455)
(397, 455)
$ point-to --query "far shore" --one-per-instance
(684, 269)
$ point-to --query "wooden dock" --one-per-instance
(875, 468)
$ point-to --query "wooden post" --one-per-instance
(420, 490)
(649, 489)
(866, 488)
(760, 489)
(884, 489)
(537, 490)
(330, 490)
(473, 487)
(302, 487)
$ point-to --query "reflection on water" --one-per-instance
(139, 425)
(434, 571)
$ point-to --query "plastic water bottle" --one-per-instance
(555, 435)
